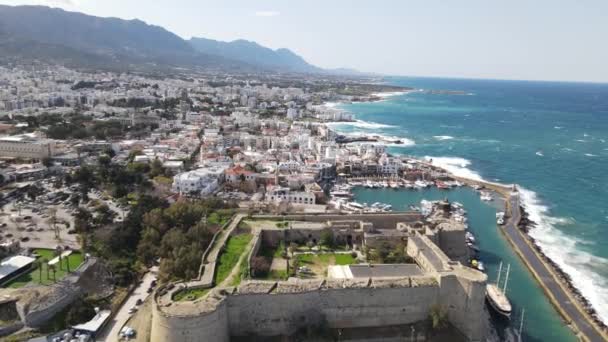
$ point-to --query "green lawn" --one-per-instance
(318, 263)
(189, 295)
(327, 259)
(38, 277)
(235, 246)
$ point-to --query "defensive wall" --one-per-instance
(271, 308)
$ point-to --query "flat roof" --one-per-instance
(12, 264)
(374, 271)
(95, 323)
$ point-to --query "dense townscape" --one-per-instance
(202, 206)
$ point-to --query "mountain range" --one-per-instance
(56, 35)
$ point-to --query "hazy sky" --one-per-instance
(509, 39)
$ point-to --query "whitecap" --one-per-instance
(558, 127)
(590, 155)
(455, 165)
(443, 137)
(360, 124)
(581, 266)
(386, 140)
(331, 104)
(391, 93)
(581, 140)
(585, 269)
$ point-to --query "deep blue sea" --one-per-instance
(550, 138)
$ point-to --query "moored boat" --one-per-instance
(497, 298)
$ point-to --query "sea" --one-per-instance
(550, 138)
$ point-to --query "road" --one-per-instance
(112, 329)
(547, 279)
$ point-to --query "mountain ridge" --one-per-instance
(37, 33)
(254, 53)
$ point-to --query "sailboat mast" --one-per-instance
(504, 289)
(521, 323)
(498, 276)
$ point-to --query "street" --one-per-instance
(112, 329)
(547, 280)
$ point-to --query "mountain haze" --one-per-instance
(54, 35)
(255, 54)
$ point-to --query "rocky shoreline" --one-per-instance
(524, 225)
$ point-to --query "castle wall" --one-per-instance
(452, 244)
(379, 221)
(207, 327)
(464, 301)
(284, 314)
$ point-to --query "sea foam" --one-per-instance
(443, 137)
(359, 124)
(584, 268)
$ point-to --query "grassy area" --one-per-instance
(318, 263)
(243, 273)
(220, 217)
(235, 246)
(277, 275)
(190, 294)
(45, 276)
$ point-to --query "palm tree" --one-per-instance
(38, 264)
(58, 252)
(54, 270)
(47, 268)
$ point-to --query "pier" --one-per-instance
(560, 296)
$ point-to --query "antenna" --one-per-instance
(498, 276)
(521, 323)
(504, 289)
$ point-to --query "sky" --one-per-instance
(500, 39)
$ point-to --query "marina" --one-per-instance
(542, 323)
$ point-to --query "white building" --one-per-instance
(280, 194)
(201, 181)
(27, 147)
(290, 166)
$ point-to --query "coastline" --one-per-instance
(561, 276)
(523, 225)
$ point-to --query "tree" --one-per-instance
(260, 266)
(327, 239)
(37, 264)
(52, 221)
(79, 312)
(54, 270)
(47, 162)
(58, 252)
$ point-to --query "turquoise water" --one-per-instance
(542, 322)
(550, 138)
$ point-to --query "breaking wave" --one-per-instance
(584, 268)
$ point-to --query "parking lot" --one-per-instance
(47, 220)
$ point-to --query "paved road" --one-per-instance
(579, 320)
(112, 329)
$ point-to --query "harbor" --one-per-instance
(541, 323)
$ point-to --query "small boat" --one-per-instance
(497, 297)
(500, 218)
(486, 196)
(470, 237)
(420, 184)
(475, 249)
(442, 185)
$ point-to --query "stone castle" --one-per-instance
(356, 296)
